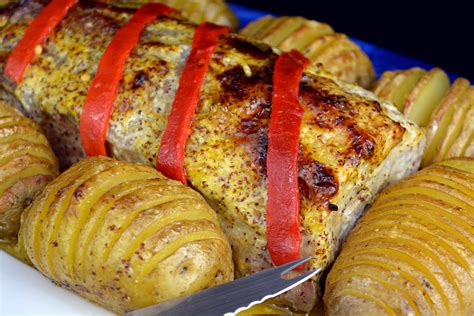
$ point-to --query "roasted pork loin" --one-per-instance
(351, 144)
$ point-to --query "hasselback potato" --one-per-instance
(351, 144)
(396, 86)
(462, 129)
(124, 236)
(415, 92)
(428, 99)
(27, 164)
(197, 11)
(413, 252)
(317, 41)
(6, 3)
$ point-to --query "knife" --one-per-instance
(232, 297)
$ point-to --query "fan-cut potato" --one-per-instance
(308, 32)
(426, 96)
(412, 253)
(124, 236)
(27, 164)
(466, 137)
(6, 3)
(457, 123)
(462, 163)
(285, 26)
(441, 119)
(384, 80)
(317, 47)
(317, 41)
(266, 309)
(197, 11)
(256, 26)
(429, 101)
(469, 152)
(400, 85)
(345, 60)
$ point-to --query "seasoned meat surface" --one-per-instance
(351, 144)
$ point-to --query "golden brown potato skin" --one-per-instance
(124, 236)
(413, 252)
(27, 164)
(197, 11)
(7, 3)
(351, 144)
(317, 41)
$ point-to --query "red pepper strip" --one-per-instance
(170, 158)
(98, 106)
(283, 199)
(35, 35)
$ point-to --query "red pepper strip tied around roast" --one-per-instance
(170, 158)
(283, 202)
(97, 108)
(36, 34)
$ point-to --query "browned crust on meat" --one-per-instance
(344, 136)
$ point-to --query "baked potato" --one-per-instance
(456, 132)
(427, 98)
(464, 143)
(197, 11)
(414, 91)
(413, 251)
(6, 3)
(442, 119)
(124, 236)
(27, 164)
(396, 86)
(317, 41)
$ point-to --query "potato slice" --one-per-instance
(261, 27)
(216, 11)
(413, 251)
(343, 58)
(7, 3)
(124, 236)
(384, 80)
(286, 33)
(266, 309)
(469, 150)
(454, 193)
(306, 34)
(284, 28)
(461, 163)
(456, 125)
(437, 207)
(442, 118)
(27, 164)
(435, 173)
(426, 96)
(346, 60)
(399, 88)
(313, 50)
(254, 27)
(272, 24)
(466, 136)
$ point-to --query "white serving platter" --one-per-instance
(25, 291)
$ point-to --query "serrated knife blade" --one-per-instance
(232, 297)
